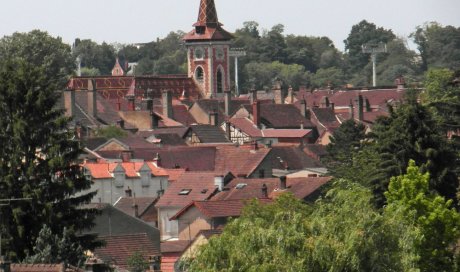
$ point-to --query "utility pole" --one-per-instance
(236, 53)
(374, 50)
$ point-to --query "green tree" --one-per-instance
(272, 45)
(38, 160)
(438, 46)
(41, 50)
(111, 131)
(328, 76)
(443, 97)
(55, 248)
(340, 232)
(94, 55)
(411, 132)
(432, 214)
(364, 33)
(137, 263)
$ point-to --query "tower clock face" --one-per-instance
(220, 53)
(199, 53)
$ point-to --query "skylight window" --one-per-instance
(185, 191)
(240, 185)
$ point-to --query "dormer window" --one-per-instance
(185, 191)
(200, 29)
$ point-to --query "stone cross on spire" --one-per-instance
(207, 13)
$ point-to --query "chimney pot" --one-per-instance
(256, 113)
(167, 104)
(264, 191)
(219, 183)
(283, 182)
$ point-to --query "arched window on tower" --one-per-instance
(199, 74)
(220, 81)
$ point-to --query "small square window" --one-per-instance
(185, 191)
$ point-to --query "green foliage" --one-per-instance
(95, 56)
(85, 71)
(328, 76)
(340, 232)
(38, 48)
(54, 248)
(411, 132)
(438, 46)
(345, 143)
(364, 33)
(263, 74)
(137, 263)
(111, 131)
(443, 97)
(431, 213)
(38, 158)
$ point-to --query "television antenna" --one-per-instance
(236, 53)
(374, 50)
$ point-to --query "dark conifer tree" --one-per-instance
(38, 162)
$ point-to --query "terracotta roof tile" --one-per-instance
(209, 134)
(292, 157)
(37, 267)
(218, 208)
(281, 116)
(174, 246)
(200, 185)
(240, 161)
(118, 248)
(104, 170)
(252, 188)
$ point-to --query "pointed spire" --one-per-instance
(207, 13)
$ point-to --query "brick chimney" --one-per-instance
(126, 155)
(69, 103)
(351, 110)
(283, 183)
(360, 108)
(256, 113)
(136, 210)
(368, 105)
(92, 96)
(213, 118)
(227, 101)
(324, 102)
(252, 95)
(264, 191)
(121, 123)
(219, 183)
(128, 192)
(155, 120)
(290, 95)
(228, 130)
(131, 102)
(149, 103)
(303, 109)
(279, 97)
(167, 104)
(157, 160)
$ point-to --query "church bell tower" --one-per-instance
(208, 47)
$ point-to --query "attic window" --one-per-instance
(240, 185)
(185, 191)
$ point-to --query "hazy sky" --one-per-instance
(133, 21)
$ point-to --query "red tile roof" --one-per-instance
(200, 184)
(252, 188)
(119, 248)
(285, 133)
(218, 208)
(37, 267)
(104, 170)
(247, 126)
(281, 116)
(240, 161)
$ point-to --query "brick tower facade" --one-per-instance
(208, 47)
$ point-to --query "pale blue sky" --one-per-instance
(133, 21)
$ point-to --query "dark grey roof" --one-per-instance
(209, 134)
